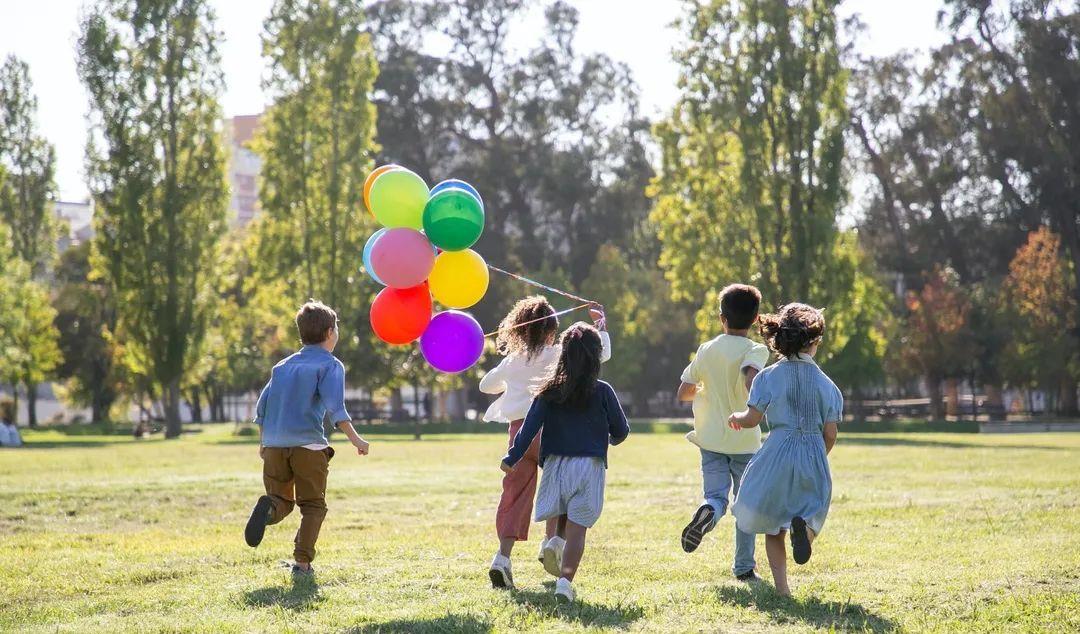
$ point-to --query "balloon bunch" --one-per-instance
(423, 253)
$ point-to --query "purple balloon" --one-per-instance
(453, 342)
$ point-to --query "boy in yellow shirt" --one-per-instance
(718, 382)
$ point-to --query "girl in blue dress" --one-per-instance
(787, 485)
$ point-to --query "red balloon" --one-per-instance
(400, 315)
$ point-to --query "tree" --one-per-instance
(28, 351)
(751, 181)
(936, 339)
(156, 169)
(1043, 350)
(86, 320)
(1021, 65)
(316, 143)
(27, 166)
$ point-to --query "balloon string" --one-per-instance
(533, 321)
(521, 278)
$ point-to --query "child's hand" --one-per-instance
(361, 445)
(596, 313)
(505, 467)
(734, 421)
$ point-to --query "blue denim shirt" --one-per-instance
(303, 387)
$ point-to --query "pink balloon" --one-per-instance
(402, 258)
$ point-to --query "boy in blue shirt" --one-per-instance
(303, 388)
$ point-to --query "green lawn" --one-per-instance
(928, 532)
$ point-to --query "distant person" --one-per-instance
(527, 338)
(718, 382)
(787, 485)
(295, 452)
(576, 416)
(9, 431)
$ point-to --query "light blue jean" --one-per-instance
(721, 474)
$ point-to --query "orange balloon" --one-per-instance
(371, 181)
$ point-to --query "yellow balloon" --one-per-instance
(459, 279)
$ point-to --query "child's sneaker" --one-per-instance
(800, 541)
(540, 553)
(260, 516)
(701, 523)
(303, 573)
(564, 591)
(500, 574)
(748, 577)
(552, 553)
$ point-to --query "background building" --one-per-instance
(243, 168)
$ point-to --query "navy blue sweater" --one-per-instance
(571, 431)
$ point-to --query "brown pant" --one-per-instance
(297, 475)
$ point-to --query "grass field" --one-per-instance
(928, 532)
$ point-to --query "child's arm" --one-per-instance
(534, 420)
(618, 427)
(749, 372)
(687, 392)
(494, 382)
(829, 433)
(596, 312)
(332, 393)
(690, 378)
(750, 417)
(260, 410)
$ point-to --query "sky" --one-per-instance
(43, 33)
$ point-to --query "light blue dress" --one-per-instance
(789, 476)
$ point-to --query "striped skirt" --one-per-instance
(572, 486)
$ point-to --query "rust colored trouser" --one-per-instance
(297, 475)
(519, 486)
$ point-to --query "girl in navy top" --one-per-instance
(579, 416)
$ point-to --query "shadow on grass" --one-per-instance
(583, 612)
(301, 595)
(64, 444)
(448, 623)
(811, 611)
(945, 444)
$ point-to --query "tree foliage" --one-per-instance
(156, 169)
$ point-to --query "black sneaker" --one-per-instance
(303, 573)
(800, 541)
(749, 577)
(260, 516)
(700, 524)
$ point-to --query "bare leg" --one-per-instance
(560, 525)
(777, 553)
(575, 548)
(552, 527)
(506, 545)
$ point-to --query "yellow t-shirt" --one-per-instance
(717, 371)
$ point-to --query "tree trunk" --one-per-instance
(195, 404)
(416, 412)
(1068, 397)
(860, 405)
(457, 404)
(396, 403)
(173, 426)
(952, 397)
(31, 404)
(995, 404)
(15, 403)
(937, 404)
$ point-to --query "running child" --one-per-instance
(577, 416)
(787, 486)
(527, 339)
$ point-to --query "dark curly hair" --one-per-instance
(792, 329)
(530, 339)
(574, 378)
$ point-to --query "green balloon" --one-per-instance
(453, 219)
(398, 197)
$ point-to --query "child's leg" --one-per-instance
(514, 514)
(575, 547)
(278, 481)
(311, 468)
(744, 542)
(560, 525)
(551, 528)
(777, 553)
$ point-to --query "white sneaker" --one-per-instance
(552, 554)
(500, 574)
(540, 553)
(563, 590)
